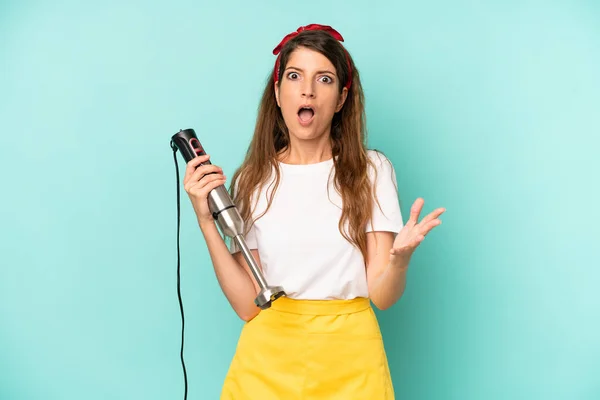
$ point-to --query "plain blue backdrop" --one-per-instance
(490, 109)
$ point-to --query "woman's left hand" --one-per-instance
(413, 233)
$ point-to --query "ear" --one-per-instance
(276, 89)
(341, 99)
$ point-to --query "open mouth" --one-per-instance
(306, 114)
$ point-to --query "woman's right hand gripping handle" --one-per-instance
(232, 271)
(198, 181)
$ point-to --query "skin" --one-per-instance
(309, 78)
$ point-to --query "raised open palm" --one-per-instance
(413, 232)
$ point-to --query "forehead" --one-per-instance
(309, 60)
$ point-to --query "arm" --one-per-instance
(388, 257)
(232, 272)
(386, 280)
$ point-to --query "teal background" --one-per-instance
(490, 109)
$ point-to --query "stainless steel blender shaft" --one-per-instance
(231, 224)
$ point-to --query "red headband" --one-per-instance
(312, 27)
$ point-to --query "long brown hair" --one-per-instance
(348, 142)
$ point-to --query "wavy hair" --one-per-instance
(348, 143)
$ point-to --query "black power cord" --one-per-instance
(179, 270)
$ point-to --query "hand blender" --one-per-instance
(227, 217)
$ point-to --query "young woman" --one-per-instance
(323, 221)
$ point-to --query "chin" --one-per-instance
(307, 133)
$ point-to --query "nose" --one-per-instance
(308, 89)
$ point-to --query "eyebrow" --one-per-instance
(318, 72)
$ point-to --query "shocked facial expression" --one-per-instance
(308, 94)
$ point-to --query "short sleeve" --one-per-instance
(386, 215)
(250, 237)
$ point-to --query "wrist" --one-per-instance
(206, 225)
(399, 263)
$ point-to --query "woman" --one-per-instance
(323, 221)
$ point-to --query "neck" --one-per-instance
(306, 151)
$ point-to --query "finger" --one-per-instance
(432, 215)
(415, 210)
(203, 170)
(416, 240)
(426, 228)
(193, 164)
(210, 180)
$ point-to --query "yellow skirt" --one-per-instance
(310, 349)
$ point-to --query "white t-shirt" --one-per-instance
(298, 240)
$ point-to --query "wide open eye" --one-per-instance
(326, 79)
(293, 75)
